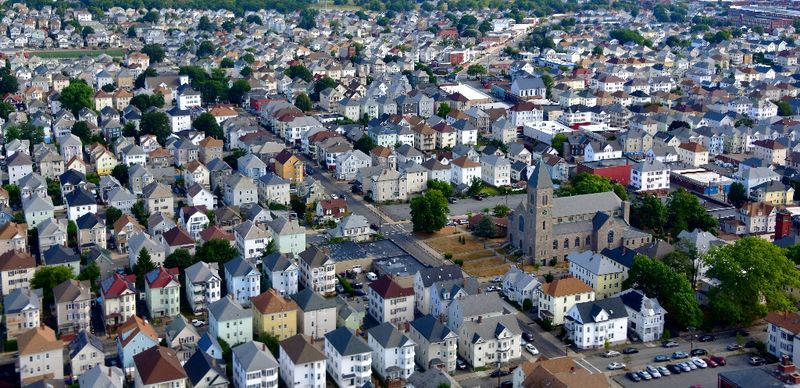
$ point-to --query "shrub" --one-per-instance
(552, 262)
(459, 262)
(527, 304)
(448, 256)
(548, 278)
(545, 324)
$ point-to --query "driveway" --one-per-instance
(460, 208)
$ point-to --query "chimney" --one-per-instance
(263, 347)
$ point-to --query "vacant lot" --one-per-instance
(481, 258)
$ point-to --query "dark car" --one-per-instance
(499, 373)
(478, 197)
(506, 384)
(310, 171)
(750, 344)
(630, 350)
(741, 332)
(527, 336)
(719, 360)
(676, 370)
(633, 376)
(360, 293)
(661, 358)
(698, 352)
(451, 199)
(706, 338)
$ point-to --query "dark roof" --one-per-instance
(436, 274)
(346, 342)
(388, 336)
(309, 300)
(387, 288)
(430, 328)
(621, 255)
(80, 197)
(300, 350)
(540, 179)
(158, 364)
(59, 254)
(613, 306)
(88, 221)
(198, 365)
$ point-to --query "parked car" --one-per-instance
(700, 363)
(653, 372)
(741, 332)
(339, 289)
(478, 197)
(691, 365)
(679, 355)
(507, 384)
(732, 347)
(710, 362)
(644, 375)
(685, 367)
(670, 344)
(674, 368)
(663, 370)
(532, 349)
(460, 364)
(198, 323)
(616, 365)
(371, 276)
(499, 373)
(706, 338)
(757, 361)
(611, 353)
(451, 200)
(360, 293)
(698, 352)
(719, 360)
(633, 376)
(630, 350)
(527, 336)
(661, 358)
(750, 344)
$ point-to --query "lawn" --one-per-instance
(77, 53)
(480, 260)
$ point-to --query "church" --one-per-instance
(544, 228)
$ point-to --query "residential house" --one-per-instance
(782, 330)
(159, 367)
(650, 175)
(251, 240)
(464, 171)
(425, 279)
(495, 170)
(392, 352)
(182, 337)
(242, 279)
(317, 270)
(59, 255)
(19, 165)
(14, 237)
(604, 275)
(102, 376)
(22, 310)
(645, 315)
(85, 353)
(37, 210)
(16, 271)
(254, 366)
(289, 167)
(693, 154)
(205, 371)
(317, 315)
(353, 227)
(125, 227)
(390, 302)
(435, 344)
(330, 209)
(288, 235)
(162, 291)
(230, 321)
(558, 296)
(302, 364)
(519, 286)
(349, 358)
(41, 355)
(239, 190)
(73, 301)
(158, 198)
(118, 293)
(490, 341)
(272, 189)
(134, 337)
(141, 240)
(593, 324)
(91, 230)
(202, 285)
(348, 164)
(770, 151)
(282, 272)
(274, 314)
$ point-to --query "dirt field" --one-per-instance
(481, 259)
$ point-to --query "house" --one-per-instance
(495, 170)
(773, 193)
(22, 310)
(782, 329)
(205, 372)
(650, 175)
(392, 352)
(194, 220)
(693, 154)
(14, 237)
(425, 279)
(73, 301)
(384, 185)
(558, 296)
(519, 286)
(16, 271)
(139, 241)
(390, 302)
(118, 294)
(37, 210)
(102, 376)
(242, 279)
(289, 167)
(85, 353)
(229, 321)
(317, 315)
(210, 148)
(330, 209)
(645, 315)
(464, 171)
(592, 324)
(158, 198)
(158, 367)
(274, 314)
(770, 151)
(254, 366)
(435, 344)
(528, 87)
(200, 196)
(202, 285)
(91, 230)
(41, 355)
(282, 272)
(124, 228)
(251, 166)
(162, 291)
(752, 218)
(182, 337)
(302, 364)
(198, 173)
(133, 337)
(349, 358)
(604, 275)
(348, 164)
(353, 227)
(473, 308)
(490, 341)
(288, 235)
(317, 270)
(239, 190)
(19, 165)
(560, 372)
(272, 189)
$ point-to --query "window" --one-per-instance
(566, 243)
(610, 236)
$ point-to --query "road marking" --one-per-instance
(582, 361)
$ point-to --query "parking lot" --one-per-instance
(704, 377)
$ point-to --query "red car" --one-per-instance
(711, 363)
(719, 360)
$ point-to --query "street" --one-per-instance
(462, 207)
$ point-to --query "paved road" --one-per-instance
(460, 208)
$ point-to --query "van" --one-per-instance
(371, 276)
(357, 269)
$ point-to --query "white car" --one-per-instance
(700, 363)
(198, 323)
(611, 353)
(616, 365)
(532, 349)
(653, 372)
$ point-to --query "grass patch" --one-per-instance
(489, 190)
(78, 53)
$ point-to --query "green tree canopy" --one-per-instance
(237, 91)
(476, 69)
(112, 215)
(226, 63)
(8, 82)
(25, 131)
(657, 280)
(155, 52)
(684, 212)
(485, 228)
(737, 195)
(76, 96)
(429, 211)
(444, 110)
(48, 277)
(753, 276)
(650, 214)
(81, 129)
(303, 102)
(144, 264)
(156, 123)
(220, 251)
(784, 108)
(90, 273)
(625, 35)
(444, 187)
(205, 49)
(558, 143)
(585, 183)
(181, 258)
(207, 123)
(298, 71)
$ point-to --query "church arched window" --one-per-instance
(577, 241)
(566, 243)
(521, 223)
(610, 236)
(588, 240)
(555, 244)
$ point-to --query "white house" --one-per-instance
(645, 315)
(349, 358)
(650, 175)
(194, 220)
(464, 171)
(424, 280)
(590, 324)
(282, 272)
(230, 321)
(317, 270)
(487, 341)
(495, 170)
(473, 308)
(162, 291)
(594, 151)
(390, 302)
(392, 352)
(202, 285)
(118, 295)
(302, 364)
(254, 366)
(518, 286)
(133, 337)
(317, 315)
(41, 356)
(242, 279)
(251, 239)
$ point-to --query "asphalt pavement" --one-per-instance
(698, 377)
(462, 207)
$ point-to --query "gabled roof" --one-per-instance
(198, 367)
(387, 288)
(116, 284)
(346, 342)
(161, 277)
(71, 290)
(431, 329)
(254, 356)
(227, 309)
(201, 272)
(299, 349)
(309, 300)
(158, 365)
(238, 267)
(437, 274)
(82, 340)
(565, 286)
(37, 340)
(271, 302)
(388, 336)
(177, 237)
(589, 311)
(20, 299)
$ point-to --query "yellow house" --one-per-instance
(603, 275)
(274, 314)
(773, 193)
(105, 162)
(289, 167)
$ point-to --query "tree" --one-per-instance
(8, 82)
(220, 251)
(237, 91)
(753, 276)
(597, 50)
(475, 186)
(677, 124)
(625, 35)
(144, 101)
(131, 32)
(226, 63)
(672, 289)
(205, 49)
(76, 96)
(680, 262)
(308, 18)
(324, 83)
(303, 102)
(558, 143)
(248, 58)
(151, 17)
(207, 123)
(82, 130)
(444, 110)
(25, 131)
(156, 123)
(476, 69)
(793, 253)
(784, 108)
(684, 212)
(112, 215)
(86, 31)
(548, 84)
(48, 277)
(228, 25)
(298, 71)
(585, 183)
(737, 195)
(650, 214)
(501, 210)
(444, 187)
(120, 173)
(205, 24)
(255, 19)
(6, 109)
(139, 212)
(232, 158)
(527, 304)
(246, 72)
(90, 273)
(181, 258)
(155, 52)
(14, 195)
(271, 247)
(72, 233)
(144, 264)
(429, 212)
(271, 340)
(485, 228)
(485, 27)
(139, 81)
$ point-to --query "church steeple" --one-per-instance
(540, 179)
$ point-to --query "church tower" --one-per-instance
(538, 226)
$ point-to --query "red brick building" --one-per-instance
(617, 170)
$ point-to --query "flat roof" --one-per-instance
(702, 175)
(405, 265)
(467, 91)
